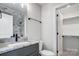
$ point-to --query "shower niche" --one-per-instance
(68, 29)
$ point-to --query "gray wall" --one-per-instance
(17, 27)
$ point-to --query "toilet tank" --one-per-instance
(40, 45)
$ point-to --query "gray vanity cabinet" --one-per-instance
(32, 50)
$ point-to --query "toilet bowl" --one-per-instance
(44, 52)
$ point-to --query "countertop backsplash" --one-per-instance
(18, 25)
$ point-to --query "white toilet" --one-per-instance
(44, 52)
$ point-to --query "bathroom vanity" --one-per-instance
(31, 49)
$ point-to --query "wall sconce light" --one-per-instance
(0, 14)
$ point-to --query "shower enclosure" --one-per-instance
(67, 18)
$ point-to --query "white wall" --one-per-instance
(49, 26)
(33, 27)
(34, 11)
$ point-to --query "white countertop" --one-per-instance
(10, 47)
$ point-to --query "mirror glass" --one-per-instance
(6, 26)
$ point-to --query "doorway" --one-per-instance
(67, 18)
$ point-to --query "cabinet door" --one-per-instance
(29, 50)
(10, 53)
(25, 51)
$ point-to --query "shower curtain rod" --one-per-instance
(34, 20)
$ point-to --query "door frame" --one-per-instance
(56, 14)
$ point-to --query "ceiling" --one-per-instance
(42, 4)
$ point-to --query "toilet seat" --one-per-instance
(46, 53)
